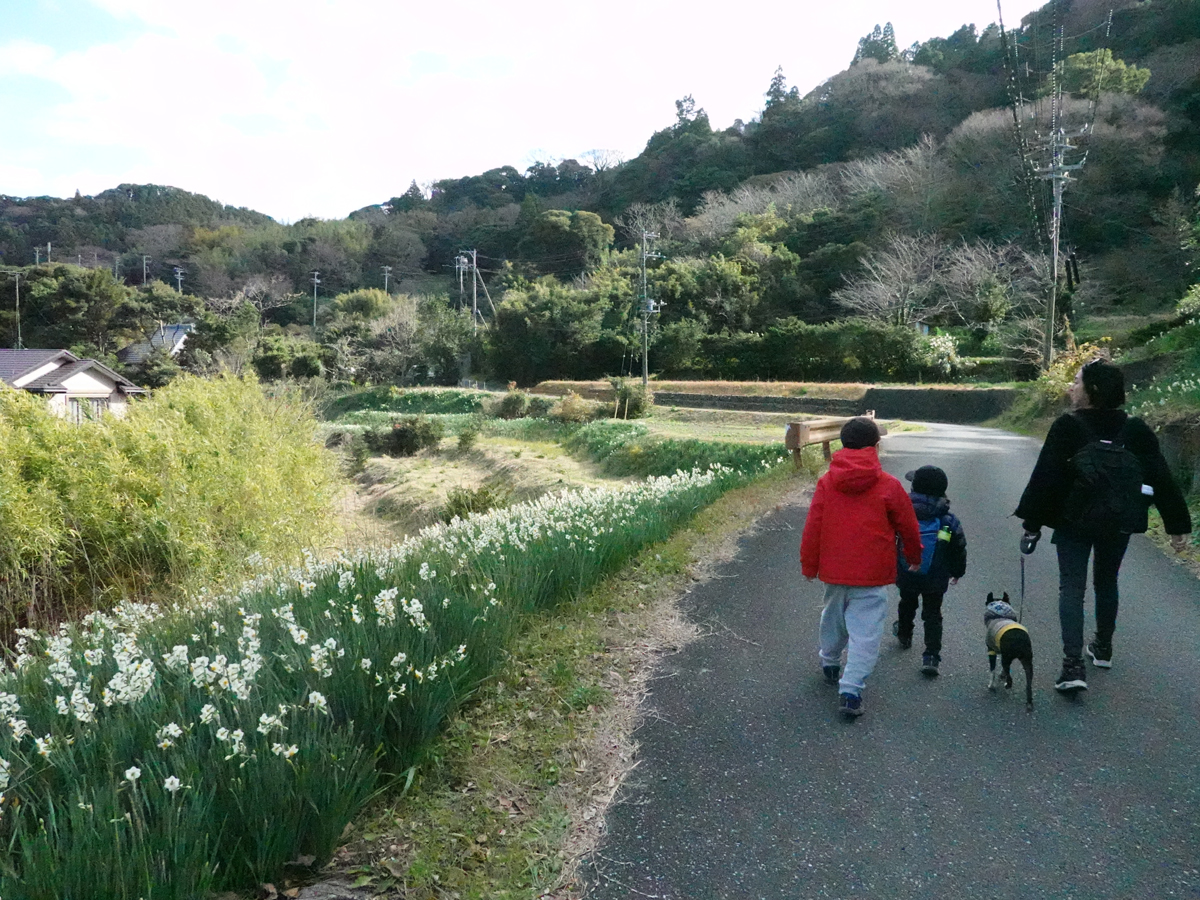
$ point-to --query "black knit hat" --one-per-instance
(860, 432)
(929, 480)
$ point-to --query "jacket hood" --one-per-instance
(927, 507)
(855, 471)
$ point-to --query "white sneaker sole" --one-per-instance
(1077, 684)
(1100, 663)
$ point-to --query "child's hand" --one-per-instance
(916, 568)
(954, 581)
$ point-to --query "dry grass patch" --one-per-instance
(396, 496)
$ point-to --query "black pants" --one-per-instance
(931, 615)
(1073, 553)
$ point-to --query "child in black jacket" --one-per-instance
(947, 562)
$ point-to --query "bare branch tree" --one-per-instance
(263, 292)
(663, 219)
(903, 284)
(796, 194)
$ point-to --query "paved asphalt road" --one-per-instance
(752, 786)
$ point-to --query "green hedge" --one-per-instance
(389, 398)
(793, 350)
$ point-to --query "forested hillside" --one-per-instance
(902, 195)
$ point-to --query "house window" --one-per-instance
(84, 409)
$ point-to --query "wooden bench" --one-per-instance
(818, 431)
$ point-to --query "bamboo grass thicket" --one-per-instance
(185, 487)
(167, 754)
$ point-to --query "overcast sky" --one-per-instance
(320, 107)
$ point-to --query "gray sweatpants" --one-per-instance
(853, 621)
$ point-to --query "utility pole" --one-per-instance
(145, 269)
(79, 260)
(468, 261)
(18, 277)
(461, 265)
(387, 270)
(648, 306)
(179, 273)
(475, 292)
(1058, 173)
(47, 253)
(37, 256)
(315, 281)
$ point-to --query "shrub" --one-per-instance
(463, 501)
(357, 453)
(514, 405)
(185, 487)
(632, 399)
(1189, 306)
(574, 409)
(468, 436)
(539, 407)
(938, 354)
(410, 435)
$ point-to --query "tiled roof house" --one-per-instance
(169, 337)
(73, 386)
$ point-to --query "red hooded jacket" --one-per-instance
(856, 513)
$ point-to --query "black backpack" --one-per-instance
(1106, 493)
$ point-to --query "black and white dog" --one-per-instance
(1009, 639)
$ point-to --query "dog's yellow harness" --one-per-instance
(1009, 627)
(1003, 630)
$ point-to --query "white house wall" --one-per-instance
(87, 384)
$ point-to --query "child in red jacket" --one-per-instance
(849, 542)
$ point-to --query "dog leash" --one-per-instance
(1021, 608)
(1028, 545)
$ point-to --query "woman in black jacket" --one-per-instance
(1048, 500)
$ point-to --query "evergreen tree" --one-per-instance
(879, 45)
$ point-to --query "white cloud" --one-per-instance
(318, 107)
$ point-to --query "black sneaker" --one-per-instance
(1101, 654)
(904, 639)
(1073, 677)
(832, 673)
(930, 663)
(850, 705)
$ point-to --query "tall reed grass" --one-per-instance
(188, 484)
(147, 754)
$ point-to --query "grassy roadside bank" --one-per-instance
(519, 788)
